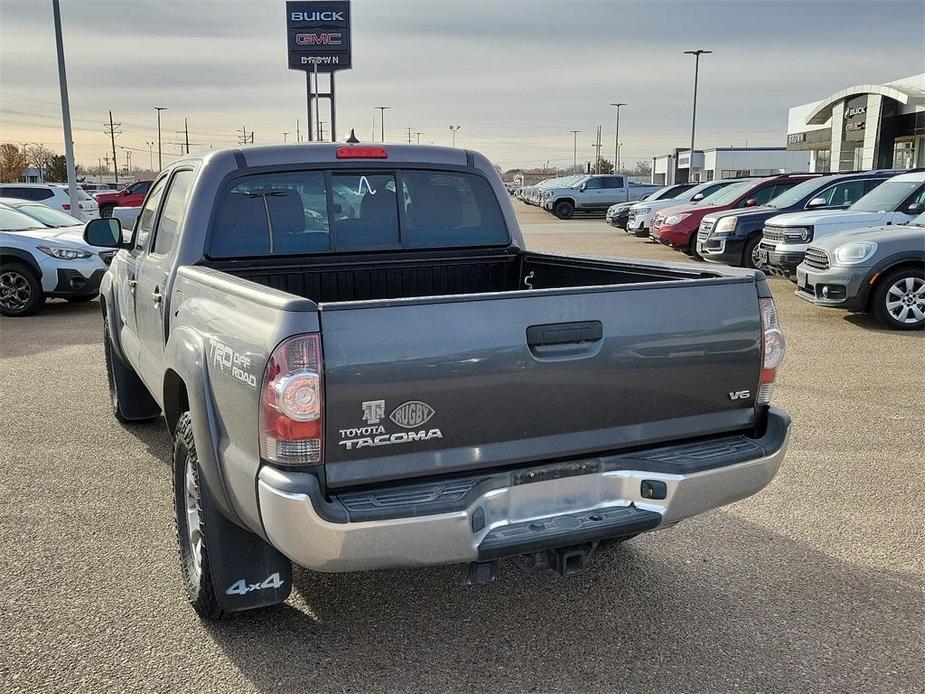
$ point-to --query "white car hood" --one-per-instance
(794, 219)
(70, 236)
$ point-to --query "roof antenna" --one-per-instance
(352, 140)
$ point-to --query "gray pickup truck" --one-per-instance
(363, 367)
(594, 194)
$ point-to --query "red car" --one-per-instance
(677, 226)
(130, 196)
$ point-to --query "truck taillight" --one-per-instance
(292, 403)
(772, 350)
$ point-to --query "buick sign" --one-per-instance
(318, 34)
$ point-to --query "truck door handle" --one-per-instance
(156, 296)
(564, 333)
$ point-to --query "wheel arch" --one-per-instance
(176, 399)
(9, 254)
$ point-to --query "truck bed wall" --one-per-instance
(337, 280)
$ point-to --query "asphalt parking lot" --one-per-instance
(816, 584)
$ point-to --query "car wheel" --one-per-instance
(106, 211)
(899, 299)
(190, 523)
(20, 291)
(691, 249)
(564, 210)
(750, 253)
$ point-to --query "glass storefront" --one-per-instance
(904, 154)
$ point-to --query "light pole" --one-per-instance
(65, 109)
(575, 149)
(285, 135)
(160, 164)
(382, 110)
(697, 53)
(150, 144)
(616, 141)
(454, 129)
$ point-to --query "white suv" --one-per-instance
(53, 195)
(642, 213)
(38, 261)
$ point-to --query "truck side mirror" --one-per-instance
(817, 202)
(104, 233)
(581, 188)
(751, 202)
(916, 208)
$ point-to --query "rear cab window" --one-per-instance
(305, 212)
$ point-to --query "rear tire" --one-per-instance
(564, 210)
(748, 253)
(106, 211)
(898, 300)
(190, 524)
(20, 290)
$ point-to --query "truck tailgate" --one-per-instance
(446, 384)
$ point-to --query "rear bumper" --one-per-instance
(466, 520)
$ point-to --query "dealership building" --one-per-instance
(726, 162)
(868, 126)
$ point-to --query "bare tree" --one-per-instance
(643, 168)
(13, 163)
(40, 157)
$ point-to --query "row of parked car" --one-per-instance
(585, 193)
(854, 240)
(93, 199)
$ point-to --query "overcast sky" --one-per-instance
(516, 75)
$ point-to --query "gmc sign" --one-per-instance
(318, 34)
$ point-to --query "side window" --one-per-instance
(917, 198)
(843, 193)
(139, 188)
(872, 183)
(614, 182)
(147, 216)
(594, 184)
(165, 236)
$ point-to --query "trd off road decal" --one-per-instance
(231, 363)
(412, 414)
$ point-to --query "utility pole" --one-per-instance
(99, 168)
(616, 141)
(697, 53)
(575, 150)
(409, 136)
(597, 147)
(128, 162)
(186, 133)
(298, 133)
(150, 144)
(112, 131)
(454, 129)
(285, 136)
(65, 109)
(160, 161)
(242, 138)
(382, 110)
(418, 135)
(320, 131)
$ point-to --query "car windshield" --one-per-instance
(48, 216)
(886, 197)
(11, 220)
(726, 195)
(792, 196)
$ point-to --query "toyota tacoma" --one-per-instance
(363, 367)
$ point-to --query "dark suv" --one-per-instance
(732, 236)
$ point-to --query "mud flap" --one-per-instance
(135, 402)
(247, 572)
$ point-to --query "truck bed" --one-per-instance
(396, 276)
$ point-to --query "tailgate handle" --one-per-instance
(564, 333)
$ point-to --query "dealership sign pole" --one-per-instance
(318, 38)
